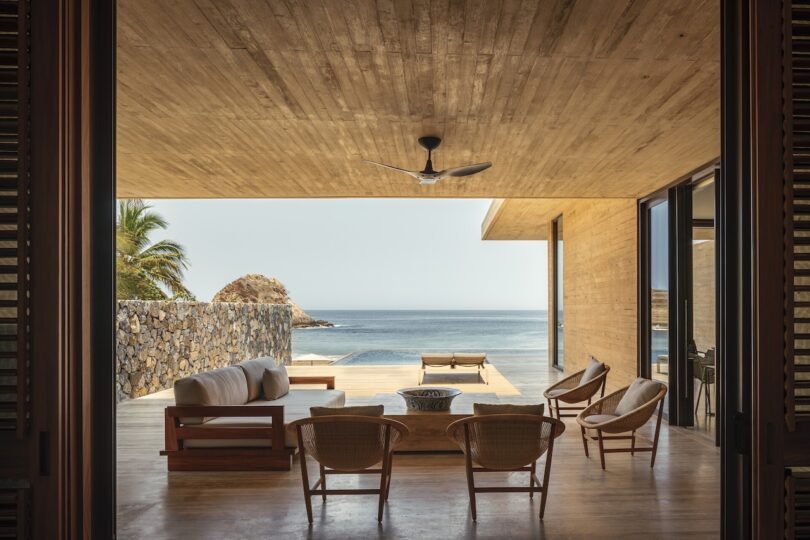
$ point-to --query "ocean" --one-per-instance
(399, 337)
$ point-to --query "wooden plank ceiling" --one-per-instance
(266, 98)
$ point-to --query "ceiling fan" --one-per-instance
(428, 176)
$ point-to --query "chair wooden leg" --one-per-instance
(323, 480)
(633, 443)
(601, 448)
(469, 467)
(531, 479)
(383, 473)
(584, 440)
(557, 406)
(697, 401)
(707, 393)
(546, 473)
(302, 456)
(383, 486)
(657, 433)
(550, 411)
(388, 480)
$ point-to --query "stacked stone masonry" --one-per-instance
(158, 342)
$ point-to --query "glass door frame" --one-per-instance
(680, 409)
(557, 284)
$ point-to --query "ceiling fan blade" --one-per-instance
(465, 171)
(406, 171)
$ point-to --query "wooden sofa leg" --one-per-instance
(584, 440)
(531, 479)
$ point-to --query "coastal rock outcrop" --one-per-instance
(256, 288)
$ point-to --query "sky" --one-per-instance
(358, 253)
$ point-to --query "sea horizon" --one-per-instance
(398, 336)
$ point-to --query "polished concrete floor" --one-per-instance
(679, 498)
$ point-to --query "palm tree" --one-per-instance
(145, 270)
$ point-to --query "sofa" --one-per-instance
(221, 420)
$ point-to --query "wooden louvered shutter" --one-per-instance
(15, 413)
(795, 454)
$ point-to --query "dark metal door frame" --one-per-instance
(557, 284)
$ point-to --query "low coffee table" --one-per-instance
(428, 427)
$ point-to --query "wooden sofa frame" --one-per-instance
(276, 458)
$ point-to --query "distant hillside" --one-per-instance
(259, 289)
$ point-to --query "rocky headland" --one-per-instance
(259, 289)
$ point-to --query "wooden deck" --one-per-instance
(679, 498)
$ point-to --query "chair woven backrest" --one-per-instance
(347, 443)
(505, 441)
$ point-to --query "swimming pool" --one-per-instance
(413, 357)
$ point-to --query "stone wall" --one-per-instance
(159, 342)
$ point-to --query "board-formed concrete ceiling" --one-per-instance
(270, 98)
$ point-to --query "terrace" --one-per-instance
(598, 117)
(429, 492)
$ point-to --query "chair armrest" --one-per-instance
(329, 380)
(175, 432)
(567, 383)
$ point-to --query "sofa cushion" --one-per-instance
(224, 386)
(357, 410)
(640, 392)
(593, 370)
(483, 409)
(599, 418)
(437, 359)
(254, 373)
(469, 359)
(275, 382)
(296, 406)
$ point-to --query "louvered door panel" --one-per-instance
(797, 199)
(14, 513)
(14, 210)
(795, 454)
(797, 504)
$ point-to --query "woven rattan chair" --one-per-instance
(348, 444)
(569, 390)
(506, 442)
(600, 417)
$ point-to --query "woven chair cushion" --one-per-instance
(594, 369)
(558, 391)
(640, 392)
(254, 373)
(275, 382)
(358, 410)
(599, 418)
(483, 409)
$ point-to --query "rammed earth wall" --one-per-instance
(160, 342)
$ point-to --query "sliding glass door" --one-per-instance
(677, 297)
(658, 290)
(703, 303)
